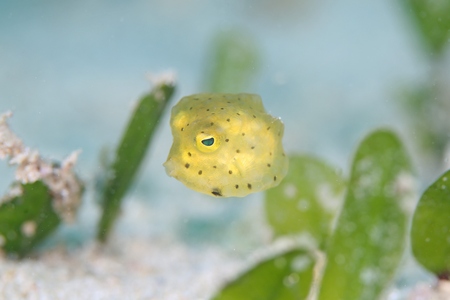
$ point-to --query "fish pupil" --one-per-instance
(208, 142)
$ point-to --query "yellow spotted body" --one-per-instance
(226, 145)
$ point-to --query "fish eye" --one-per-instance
(208, 142)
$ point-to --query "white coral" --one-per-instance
(61, 180)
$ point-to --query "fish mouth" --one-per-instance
(169, 167)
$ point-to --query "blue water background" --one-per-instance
(72, 71)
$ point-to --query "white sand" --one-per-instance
(128, 269)
(137, 268)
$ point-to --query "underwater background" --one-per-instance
(331, 70)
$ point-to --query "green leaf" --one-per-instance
(433, 21)
(234, 63)
(306, 200)
(286, 276)
(370, 234)
(430, 232)
(130, 153)
(27, 219)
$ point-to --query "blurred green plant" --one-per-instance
(366, 246)
(429, 118)
(307, 199)
(287, 276)
(27, 219)
(233, 63)
(426, 104)
(130, 153)
(430, 232)
(370, 235)
(432, 19)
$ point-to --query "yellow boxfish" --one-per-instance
(226, 145)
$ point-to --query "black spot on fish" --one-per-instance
(274, 178)
(200, 172)
(189, 153)
(227, 140)
(217, 192)
(230, 172)
(236, 186)
(187, 165)
(249, 186)
(268, 165)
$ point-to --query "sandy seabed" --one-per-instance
(136, 268)
(125, 269)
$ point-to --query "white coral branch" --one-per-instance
(61, 180)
